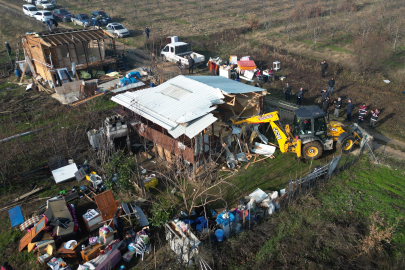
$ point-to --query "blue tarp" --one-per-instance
(16, 216)
(125, 81)
(133, 80)
(221, 220)
(134, 74)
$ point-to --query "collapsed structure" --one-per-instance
(186, 117)
(50, 54)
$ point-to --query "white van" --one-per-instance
(29, 10)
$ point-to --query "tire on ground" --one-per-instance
(312, 150)
(346, 145)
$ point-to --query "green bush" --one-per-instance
(124, 167)
(162, 211)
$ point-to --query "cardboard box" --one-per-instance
(59, 209)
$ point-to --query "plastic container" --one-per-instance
(238, 228)
(227, 230)
(220, 235)
(17, 73)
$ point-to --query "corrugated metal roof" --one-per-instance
(227, 85)
(68, 36)
(180, 105)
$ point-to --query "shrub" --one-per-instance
(253, 23)
(162, 211)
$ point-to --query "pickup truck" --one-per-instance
(83, 20)
(176, 51)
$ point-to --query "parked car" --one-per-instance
(117, 30)
(180, 51)
(62, 15)
(45, 4)
(82, 19)
(30, 1)
(105, 19)
(30, 10)
(42, 15)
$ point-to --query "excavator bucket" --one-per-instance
(363, 134)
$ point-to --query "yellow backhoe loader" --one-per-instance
(310, 133)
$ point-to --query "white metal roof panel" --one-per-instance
(178, 101)
(227, 85)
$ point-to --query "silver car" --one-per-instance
(117, 30)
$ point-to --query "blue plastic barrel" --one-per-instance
(17, 73)
(220, 235)
(152, 85)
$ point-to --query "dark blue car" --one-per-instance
(62, 15)
(105, 19)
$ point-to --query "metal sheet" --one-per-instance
(64, 173)
(140, 216)
(227, 85)
(165, 106)
(16, 216)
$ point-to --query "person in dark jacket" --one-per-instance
(96, 21)
(374, 117)
(8, 48)
(362, 113)
(338, 105)
(190, 65)
(300, 96)
(124, 61)
(331, 84)
(118, 224)
(54, 22)
(324, 67)
(6, 266)
(325, 105)
(349, 110)
(147, 31)
(287, 92)
(324, 95)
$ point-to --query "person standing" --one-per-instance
(325, 105)
(8, 48)
(287, 92)
(300, 96)
(349, 110)
(324, 67)
(331, 84)
(323, 98)
(97, 20)
(190, 65)
(338, 105)
(362, 113)
(118, 224)
(124, 61)
(374, 117)
(48, 22)
(147, 31)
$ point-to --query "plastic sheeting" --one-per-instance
(224, 218)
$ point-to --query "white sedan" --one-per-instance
(30, 10)
(42, 15)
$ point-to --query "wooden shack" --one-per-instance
(87, 48)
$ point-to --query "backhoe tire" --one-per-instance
(346, 145)
(312, 150)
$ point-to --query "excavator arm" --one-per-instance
(285, 141)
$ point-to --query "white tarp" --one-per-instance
(262, 149)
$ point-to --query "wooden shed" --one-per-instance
(87, 48)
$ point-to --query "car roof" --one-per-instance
(309, 112)
(29, 6)
(115, 24)
(43, 11)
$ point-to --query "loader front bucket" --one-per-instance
(363, 134)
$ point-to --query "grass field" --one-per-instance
(331, 227)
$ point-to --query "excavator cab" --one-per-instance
(311, 128)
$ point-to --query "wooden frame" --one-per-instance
(31, 234)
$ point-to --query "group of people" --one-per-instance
(299, 95)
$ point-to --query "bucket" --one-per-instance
(145, 238)
(220, 235)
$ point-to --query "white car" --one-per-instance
(42, 15)
(45, 4)
(117, 30)
(30, 10)
(29, 1)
